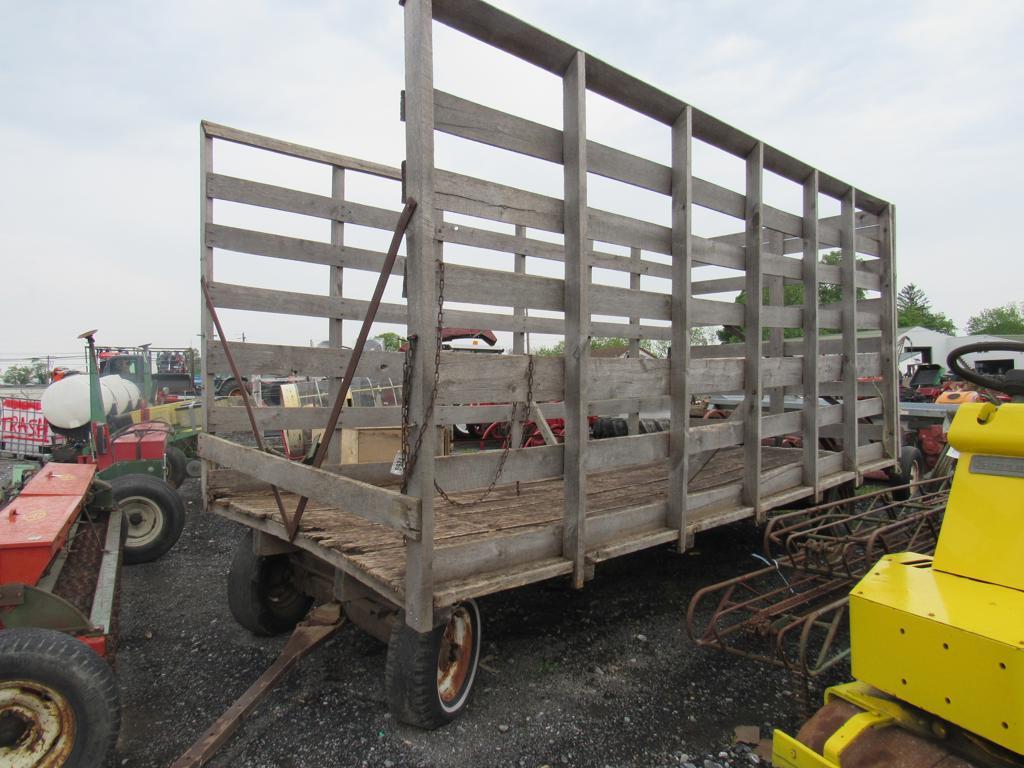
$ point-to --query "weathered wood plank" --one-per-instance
(213, 130)
(577, 314)
(810, 330)
(848, 266)
(377, 505)
(887, 324)
(752, 325)
(261, 195)
(206, 273)
(422, 273)
(682, 260)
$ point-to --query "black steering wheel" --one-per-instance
(1011, 382)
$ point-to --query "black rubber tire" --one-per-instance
(166, 501)
(176, 465)
(262, 595)
(911, 468)
(411, 673)
(66, 666)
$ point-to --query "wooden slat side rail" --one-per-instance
(832, 344)
(508, 33)
(468, 120)
(283, 359)
(377, 505)
(235, 190)
(236, 136)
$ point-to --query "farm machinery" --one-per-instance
(936, 639)
(93, 414)
(60, 555)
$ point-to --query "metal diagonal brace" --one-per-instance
(321, 624)
(256, 432)
(357, 353)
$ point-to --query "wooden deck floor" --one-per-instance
(379, 552)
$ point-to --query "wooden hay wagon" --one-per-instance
(408, 554)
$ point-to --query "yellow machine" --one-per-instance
(937, 643)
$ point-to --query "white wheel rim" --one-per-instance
(46, 723)
(145, 520)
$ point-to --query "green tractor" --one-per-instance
(93, 415)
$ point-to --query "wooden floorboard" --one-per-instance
(380, 552)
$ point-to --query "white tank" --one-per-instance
(135, 392)
(66, 402)
(122, 395)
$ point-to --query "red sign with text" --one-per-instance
(23, 429)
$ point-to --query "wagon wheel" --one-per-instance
(59, 701)
(263, 593)
(429, 676)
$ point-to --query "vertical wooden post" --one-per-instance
(776, 286)
(889, 365)
(753, 327)
(634, 330)
(337, 325)
(848, 281)
(810, 330)
(577, 313)
(518, 341)
(422, 272)
(206, 271)
(679, 386)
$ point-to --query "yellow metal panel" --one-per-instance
(952, 646)
(983, 529)
(986, 428)
(787, 752)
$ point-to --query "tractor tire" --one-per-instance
(59, 702)
(176, 466)
(262, 594)
(155, 515)
(429, 676)
(911, 469)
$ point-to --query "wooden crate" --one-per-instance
(368, 445)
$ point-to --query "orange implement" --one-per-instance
(34, 527)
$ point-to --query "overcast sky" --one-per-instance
(919, 103)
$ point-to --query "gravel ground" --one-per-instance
(602, 677)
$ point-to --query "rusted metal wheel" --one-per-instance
(429, 676)
(58, 701)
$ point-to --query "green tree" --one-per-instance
(657, 347)
(392, 341)
(793, 296)
(40, 373)
(18, 375)
(914, 309)
(998, 321)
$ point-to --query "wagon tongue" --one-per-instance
(321, 624)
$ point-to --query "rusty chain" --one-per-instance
(410, 455)
(505, 451)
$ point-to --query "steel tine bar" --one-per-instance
(357, 352)
(257, 433)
